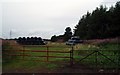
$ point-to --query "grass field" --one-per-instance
(111, 50)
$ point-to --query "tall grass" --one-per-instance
(8, 48)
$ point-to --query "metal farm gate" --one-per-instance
(44, 52)
(100, 59)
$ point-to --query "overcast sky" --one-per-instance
(43, 18)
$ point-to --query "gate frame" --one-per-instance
(96, 60)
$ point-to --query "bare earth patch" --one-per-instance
(76, 68)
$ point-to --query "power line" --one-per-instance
(10, 34)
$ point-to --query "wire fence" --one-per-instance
(100, 59)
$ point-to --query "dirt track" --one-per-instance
(80, 68)
(75, 69)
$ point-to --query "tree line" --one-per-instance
(101, 23)
(67, 35)
(31, 41)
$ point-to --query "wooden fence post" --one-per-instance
(47, 54)
(96, 55)
(71, 56)
(118, 61)
(23, 51)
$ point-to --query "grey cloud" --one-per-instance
(42, 17)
